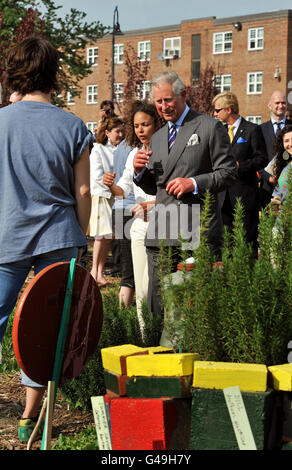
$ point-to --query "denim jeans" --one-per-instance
(12, 278)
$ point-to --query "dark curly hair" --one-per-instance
(32, 65)
(142, 107)
(107, 125)
(278, 150)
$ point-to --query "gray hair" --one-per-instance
(168, 77)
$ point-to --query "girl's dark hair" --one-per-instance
(278, 150)
(142, 107)
(107, 125)
(32, 65)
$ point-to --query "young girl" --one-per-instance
(108, 137)
(141, 123)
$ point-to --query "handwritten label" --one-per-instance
(101, 423)
(239, 418)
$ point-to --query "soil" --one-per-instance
(12, 399)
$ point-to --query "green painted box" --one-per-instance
(157, 387)
(211, 426)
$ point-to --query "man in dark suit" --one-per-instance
(189, 155)
(249, 152)
(278, 108)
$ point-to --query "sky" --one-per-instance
(136, 14)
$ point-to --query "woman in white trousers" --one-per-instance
(141, 123)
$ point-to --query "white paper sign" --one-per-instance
(101, 423)
(239, 418)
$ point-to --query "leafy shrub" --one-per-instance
(240, 311)
(86, 440)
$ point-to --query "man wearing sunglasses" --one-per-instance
(249, 152)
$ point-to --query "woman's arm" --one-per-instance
(82, 190)
(108, 179)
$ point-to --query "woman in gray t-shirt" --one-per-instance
(44, 180)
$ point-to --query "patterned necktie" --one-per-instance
(230, 133)
(278, 124)
(171, 136)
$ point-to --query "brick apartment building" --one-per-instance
(251, 55)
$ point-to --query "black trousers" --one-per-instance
(250, 222)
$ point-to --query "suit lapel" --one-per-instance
(186, 130)
(240, 131)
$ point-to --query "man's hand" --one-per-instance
(141, 160)
(180, 186)
(108, 179)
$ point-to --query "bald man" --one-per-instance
(278, 107)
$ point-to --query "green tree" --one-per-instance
(22, 18)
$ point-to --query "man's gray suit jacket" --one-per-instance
(201, 150)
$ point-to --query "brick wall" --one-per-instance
(275, 54)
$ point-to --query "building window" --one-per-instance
(222, 42)
(92, 55)
(254, 119)
(119, 53)
(223, 82)
(172, 48)
(70, 96)
(118, 90)
(91, 126)
(254, 83)
(255, 39)
(196, 57)
(144, 50)
(91, 94)
(143, 90)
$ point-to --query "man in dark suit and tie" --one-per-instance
(189, 155)
(249, 152)
(278, 107)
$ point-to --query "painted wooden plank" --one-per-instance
(281, 377)
(114, 358)
(169, 365)
(211, 426)
(220, 375)
(156, 387)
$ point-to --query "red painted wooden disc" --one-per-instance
(37, 320)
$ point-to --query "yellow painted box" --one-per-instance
(113, 358)
(220, 375)
(161, 365)
(280, 377)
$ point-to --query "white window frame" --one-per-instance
(254, 86)
(91, 126)
(70, 98)
(256, 39)
(119, 53)
(144, 50)
(92, 94)
(224, 42)
(143, 90)
(92, 56)
(118, 91)
(220, 82)
(174, 48)
(255, 119)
